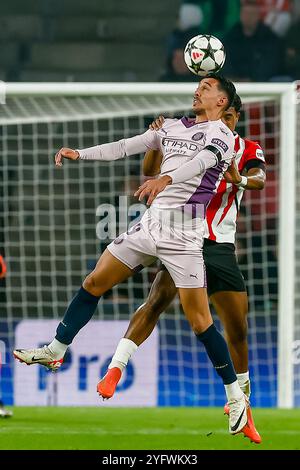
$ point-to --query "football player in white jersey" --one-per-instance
(225, 283)
(195, 156)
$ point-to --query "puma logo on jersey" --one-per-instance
(224, 131)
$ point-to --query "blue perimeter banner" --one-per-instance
(170, 369)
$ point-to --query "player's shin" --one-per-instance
(77, 315)
(218, 353)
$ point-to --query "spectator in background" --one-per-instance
(276, 14)
(196, 17)
(219, 15)
(254, 52)
(188, 25)
(177, 70)
(292, 50)
(295, 9)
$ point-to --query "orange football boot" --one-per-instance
(249, 430)
(107, 386)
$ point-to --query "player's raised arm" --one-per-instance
(252, 173)
(219, 148)
(111, 151)
(254, 178)
(203, 161)
(65, 152)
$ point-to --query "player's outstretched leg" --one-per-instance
(195, 306)
(108, 272)
(141, 326)
(232, 308)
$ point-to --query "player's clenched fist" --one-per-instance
(65, 153)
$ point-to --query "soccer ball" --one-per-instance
(204, 54)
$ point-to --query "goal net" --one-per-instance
(55, 222)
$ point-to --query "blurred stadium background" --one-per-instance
(51, 219)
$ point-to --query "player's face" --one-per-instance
(230, 118)
(208, 96)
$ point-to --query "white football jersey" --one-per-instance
(180, 140)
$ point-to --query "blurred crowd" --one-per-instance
(261, 38)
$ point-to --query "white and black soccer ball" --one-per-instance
(204, 54)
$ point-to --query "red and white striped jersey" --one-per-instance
(222, 211)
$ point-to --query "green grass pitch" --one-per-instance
(140, 428)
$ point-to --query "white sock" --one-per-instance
(123, 353)
(233, 391)
(244, 382)
(58, 349)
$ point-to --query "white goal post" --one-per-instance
(35, 104)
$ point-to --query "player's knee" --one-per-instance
(93, 286)
(197, 329)
(198, 324)
(239, 333)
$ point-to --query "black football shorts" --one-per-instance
(222, 270)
